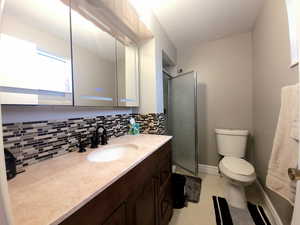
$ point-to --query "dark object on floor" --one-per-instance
(185, 188)
(193, 189)
(227, 215)
(10, 163)
(178, 183)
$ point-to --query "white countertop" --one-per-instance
(50, 191)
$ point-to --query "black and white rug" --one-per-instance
(227, 215)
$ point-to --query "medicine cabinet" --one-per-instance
(53, 54)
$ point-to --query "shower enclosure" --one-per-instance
(180, 105)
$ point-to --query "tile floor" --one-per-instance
(202, 213)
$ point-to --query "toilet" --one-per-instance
(237, 171)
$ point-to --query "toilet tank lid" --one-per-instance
(232, 132)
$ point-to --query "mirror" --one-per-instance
(94, 63)
(35, 53)
(127, 75)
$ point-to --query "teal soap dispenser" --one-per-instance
(134, 128)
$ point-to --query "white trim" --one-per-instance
(269, 205)
(212, 170)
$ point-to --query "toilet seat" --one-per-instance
(238, 166)
(237, 169)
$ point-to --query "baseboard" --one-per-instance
(212, 170)
(269, 204)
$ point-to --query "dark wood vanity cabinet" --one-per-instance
(140, 197)
(118, 217)
(165, 204)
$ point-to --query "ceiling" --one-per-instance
(190, 21)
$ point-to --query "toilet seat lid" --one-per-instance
(238, 166)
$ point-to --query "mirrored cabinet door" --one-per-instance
(94, 63)
(127, 75)
(35, 53)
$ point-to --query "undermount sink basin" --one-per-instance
(110, 153)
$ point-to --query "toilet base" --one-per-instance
(235, 195)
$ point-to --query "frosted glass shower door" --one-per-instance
(183, 120)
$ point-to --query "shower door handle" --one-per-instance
(294, 174)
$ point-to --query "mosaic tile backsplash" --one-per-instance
(32, 142)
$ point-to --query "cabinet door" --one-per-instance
(94, 63)
(118, 217)
(141, 206)
(127, 75)
(165, 171)
(165, 206)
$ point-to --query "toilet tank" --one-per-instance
(232, 142)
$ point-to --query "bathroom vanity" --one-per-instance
(134, 189)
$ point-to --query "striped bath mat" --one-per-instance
(227, 215)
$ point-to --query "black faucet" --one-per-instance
(81, 144)
(97, 139)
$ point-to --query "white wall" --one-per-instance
(148, 89)
(224, 70)
(151, 82)
(163, 41)
(271, 63)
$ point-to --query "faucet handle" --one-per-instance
(101, 129)
(103, 136)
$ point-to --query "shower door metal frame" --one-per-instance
(195, 114)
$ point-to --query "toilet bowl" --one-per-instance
(236, 171)
(238, 174)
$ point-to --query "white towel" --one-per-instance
(295, 124)
(296, 120)
(285, 148)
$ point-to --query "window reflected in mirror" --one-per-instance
(293, 34)
(35, 53)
